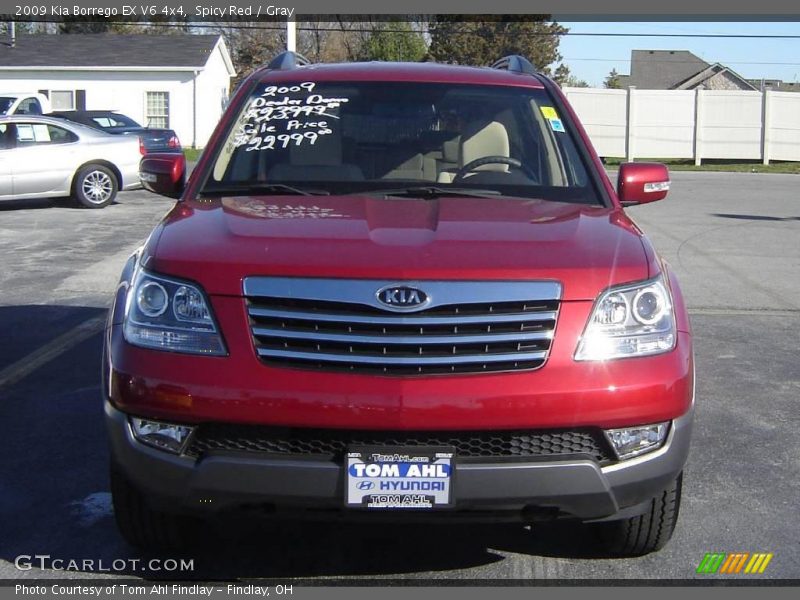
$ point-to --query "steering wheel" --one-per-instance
(492, 160)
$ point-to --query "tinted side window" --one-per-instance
(29, 134)
(29, 106)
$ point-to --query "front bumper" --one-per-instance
(566, 488)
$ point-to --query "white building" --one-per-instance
(180, 82)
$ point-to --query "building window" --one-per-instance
(62, 100)
(157, 113)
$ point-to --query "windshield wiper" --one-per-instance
(265, 189)
(432, 192)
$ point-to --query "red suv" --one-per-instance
(399, 291)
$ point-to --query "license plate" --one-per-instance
(399, 478)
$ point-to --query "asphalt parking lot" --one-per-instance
(734, 240)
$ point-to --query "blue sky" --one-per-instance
(591, 58)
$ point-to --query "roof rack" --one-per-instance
(515, 64)
(288, 60)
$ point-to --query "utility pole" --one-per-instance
(291, 35)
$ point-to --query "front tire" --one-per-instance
(95, 186)
(647, 532)
(142, 526)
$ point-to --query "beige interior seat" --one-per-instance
(479, 142)
(418, 167)
(448, 165)
(326, 150)
(321, 161)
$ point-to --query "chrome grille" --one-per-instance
(466, 327)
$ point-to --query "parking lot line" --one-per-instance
(744, 312)
(44, 354)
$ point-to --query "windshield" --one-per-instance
(348, 137)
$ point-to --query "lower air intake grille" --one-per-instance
(331, 444)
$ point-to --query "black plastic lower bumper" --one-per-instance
(577, 488)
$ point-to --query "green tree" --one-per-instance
(251, 48)
(394, 41)
(572, 81)
(612, 80)
(79, 24)
(84, 25)
(482, 39)
(73, 24)
(561, 75)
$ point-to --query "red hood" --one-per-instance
(219, 242)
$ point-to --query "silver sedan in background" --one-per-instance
(42, 157)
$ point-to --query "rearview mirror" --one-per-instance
(163, 173)
(640, 183)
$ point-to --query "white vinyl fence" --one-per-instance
(693, 124)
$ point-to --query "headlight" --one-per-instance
(169, 314)
(152, 299)
(630, 320)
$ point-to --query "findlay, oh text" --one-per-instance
(155, 589)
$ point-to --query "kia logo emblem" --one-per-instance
(402, 298)
(365, 485)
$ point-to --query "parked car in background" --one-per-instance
(23, 103)
(150, 139)
(42, 157)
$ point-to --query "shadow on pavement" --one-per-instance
(754, 217)
(55, 493)
(25, 329)
(37, 203)
(260, 549)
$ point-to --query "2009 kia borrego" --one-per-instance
(402, 291)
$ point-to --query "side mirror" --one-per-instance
(163, 173)
(640, 183)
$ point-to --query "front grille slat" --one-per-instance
(386, 359)
(337, 324)
(399, 319)
(332, 444)
(267, 332)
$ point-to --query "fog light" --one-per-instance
(633, 441)
(164, 436)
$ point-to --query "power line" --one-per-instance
(759, 36)
(672, 62)
(281, 27)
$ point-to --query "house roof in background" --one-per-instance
(777, 85)
(108, 50)
(663, 69)
(706, 74)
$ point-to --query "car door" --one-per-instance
(44, 160)
(7, 142)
